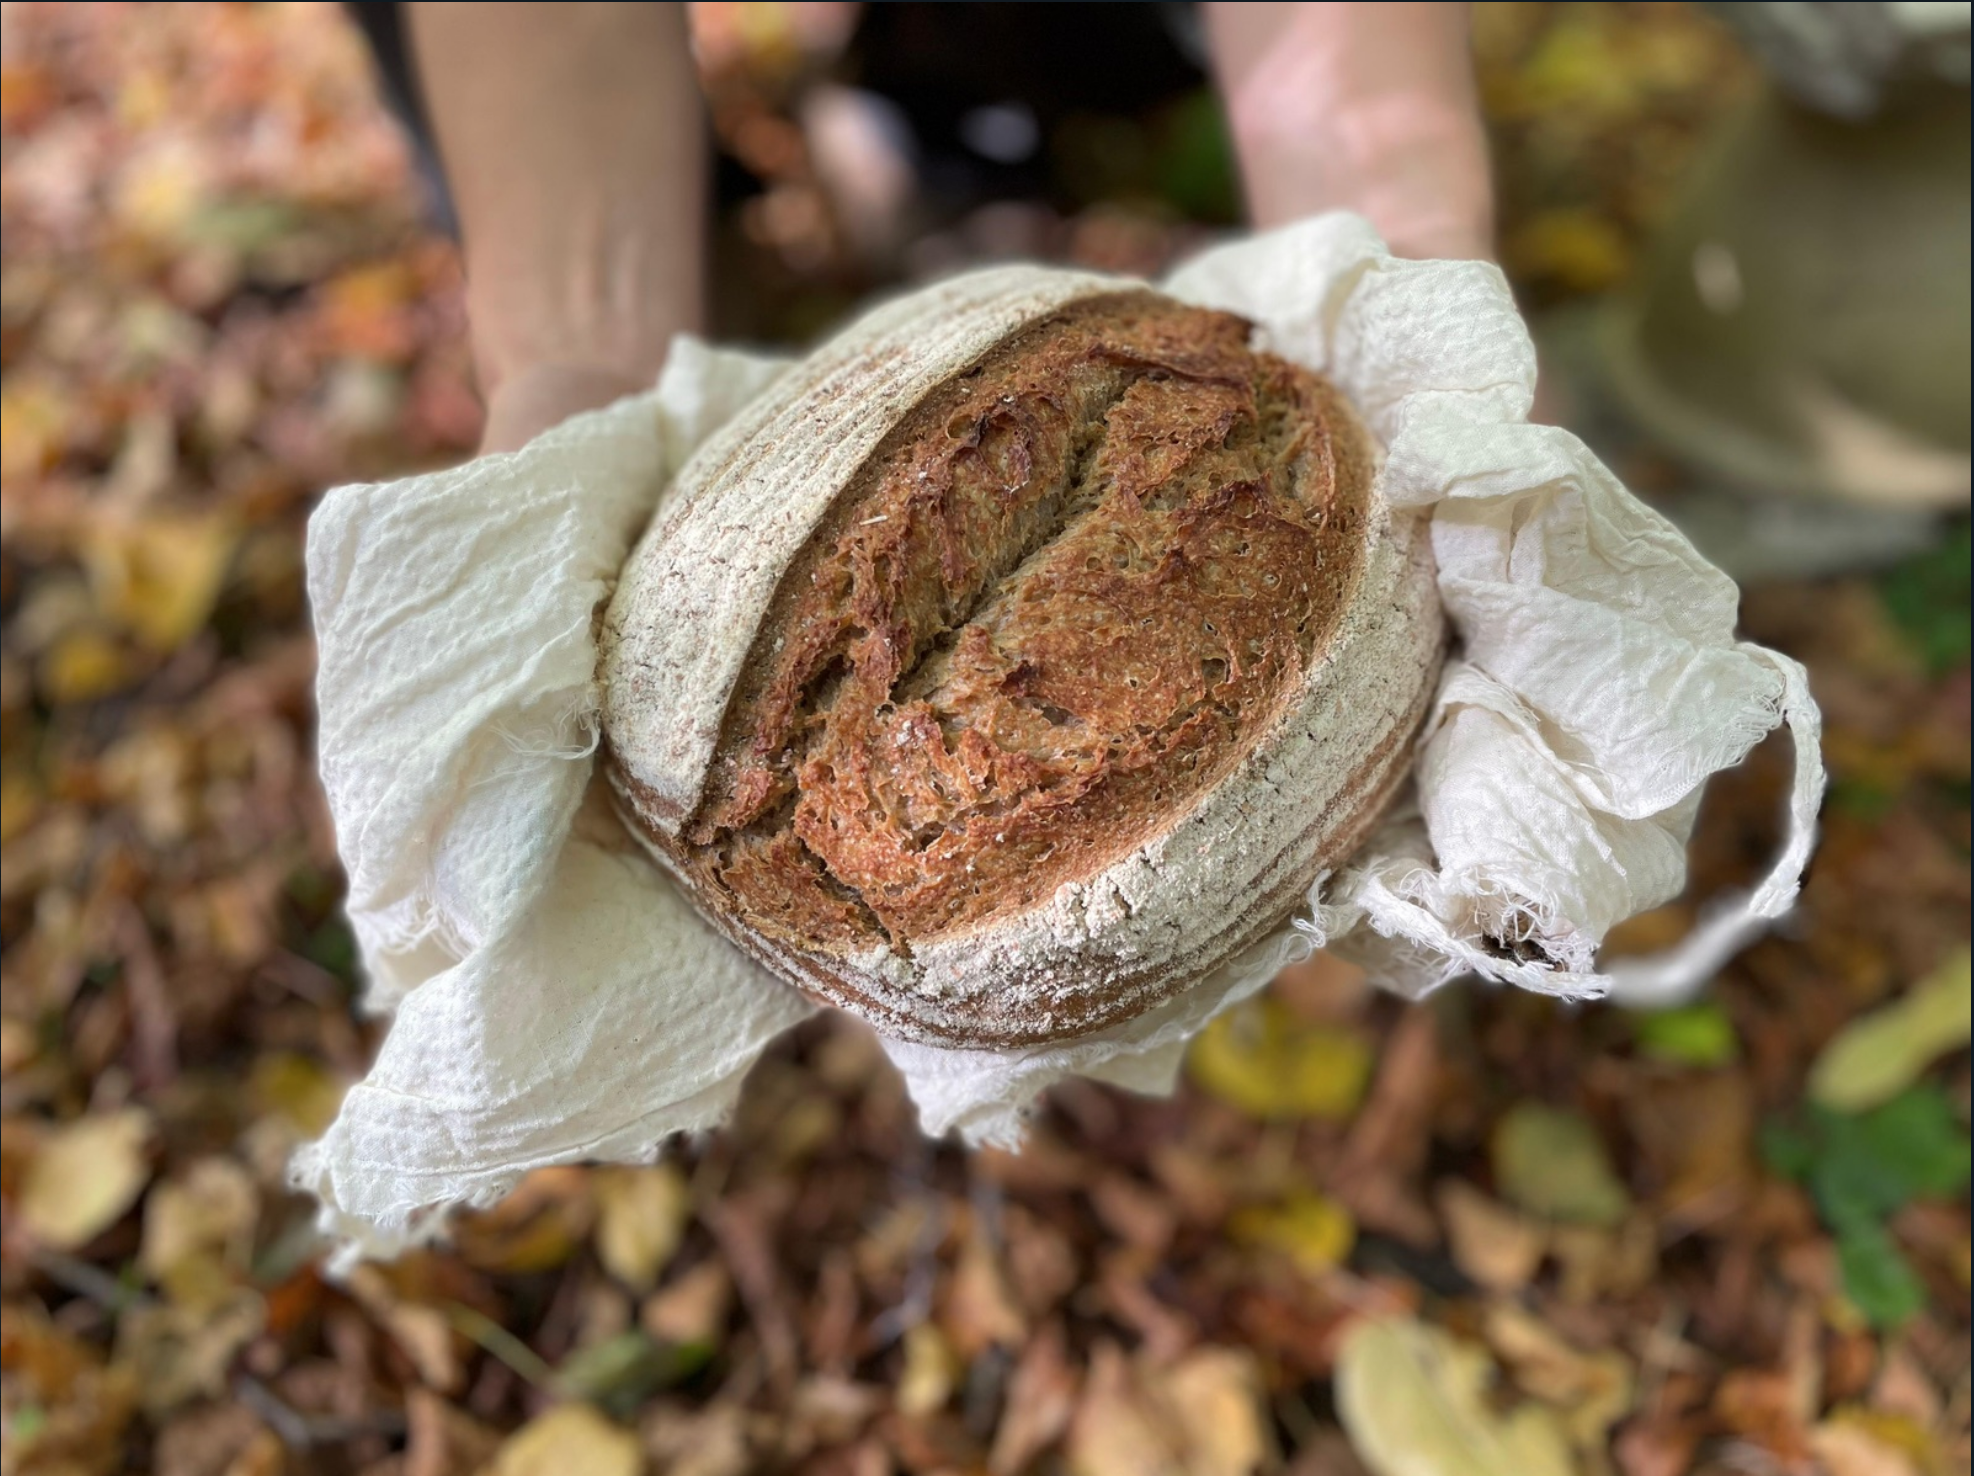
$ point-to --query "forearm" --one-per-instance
(572, 141)
(1365, 107)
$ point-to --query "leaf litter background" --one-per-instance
(1489, 1234)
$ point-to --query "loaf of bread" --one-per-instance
(1019, 658)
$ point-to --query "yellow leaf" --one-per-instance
(568, 1439)
(160, 575)
(641, 1217)
(82, 666)
(931, 1369)
(20, 802)
(1260, 1058)
(1313, 1231)
(1878, 1056)
(1414, 1400)
(1582, 249)
(83, 1177)
(298, 1088)
(1846, 1448)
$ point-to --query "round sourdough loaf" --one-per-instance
(1018, 658)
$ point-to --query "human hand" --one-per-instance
(1364, 107)
(525, 404)
(575, 151)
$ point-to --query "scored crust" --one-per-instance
(1020, 658)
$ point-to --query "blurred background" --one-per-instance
(1727, 1237)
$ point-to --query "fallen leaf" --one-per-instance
(621, 1372)
(980, 1310)
(693, 1309)
(704, 1442)
(20, 801)
(211, 1440)
(1552, 1163)
(1697, 1132)
(1493, 1245)
(1591, 1391)
(1598, 1262)
(84, 665)
(569, 1438)
(1877, 1278)
(1415, 1402)
(536, 1227)
(425, 1334)
(1581, 249)
(1689, 1035)
(1215, 1397)
(298, 1088)
(64, 1411)
(206, 1216)
(441, 1440)
(1312, 1230)
(1041, 1398)
(183, 1353)
(641, 1218)
(160, 575)
(84, 1175)
(1260, 1058)
(930, 1371)
(1879, 1055)
(1113, 1432)
(1764, 1404)
(1846, 1449)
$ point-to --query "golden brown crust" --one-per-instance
(1064, 596)
(1092, 664)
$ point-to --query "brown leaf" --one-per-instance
(1493, 1245)
(980, 1310)
(208, 1440)
(425, 1334)
(441, 1440)
(1042, 1395)
(204, 1217)
(692, 1309)
(1114, 1432)
(1592, 1391)
(535, 1228)
(180, 1354)
(85, 1407)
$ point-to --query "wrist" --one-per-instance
(1414, 164)
(538, 397)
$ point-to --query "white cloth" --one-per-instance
(555, 998)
